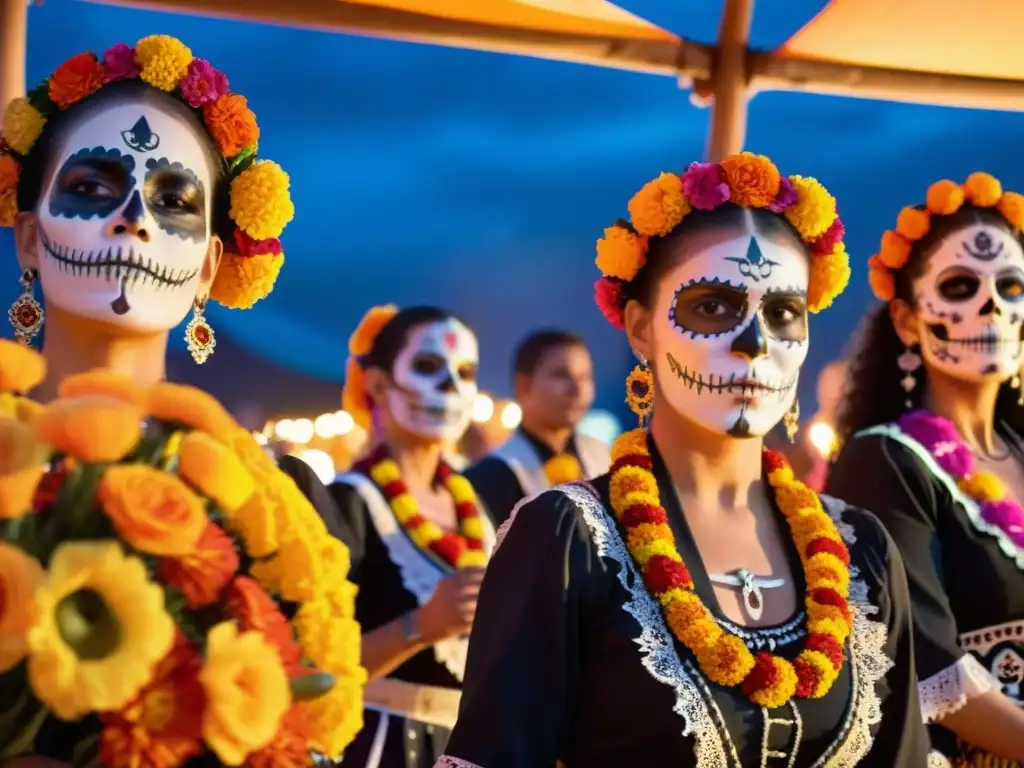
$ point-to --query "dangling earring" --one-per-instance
(26, 314)
(908, 362)
(791, 421)
(640, 391)
(198, 334)
(1015, 383)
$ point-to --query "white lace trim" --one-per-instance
(951, 688)
(419, 573)
(454, 762)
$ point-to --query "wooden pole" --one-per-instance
(729, 81)
(13, 43)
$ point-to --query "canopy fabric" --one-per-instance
(976, 39)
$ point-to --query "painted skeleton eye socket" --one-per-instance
(428, 364)
(709, 308)
(93, 180)
(960, 286)
(785, 315)
(1010, 287)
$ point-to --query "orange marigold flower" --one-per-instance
(216, 470)
(153, 511)
(231, 123)
(19, 577)
(191, 407)
(290, 747)
(659, 207)
(202, 573)
(881, 280)
(104, 383)
(944, 197)
(252, 608)
(983, 486)
(10, 172)
(983, 189)
(21, 367)
(894, 251)
(830, 274)
(76, 78)
(563, 468)
(913, 224)
(361, 341)
(1011, 206)
(684, 611)
(621, 253)
(726, 662)
(162, 727)
(22, 466)
(633, 442)
(753, 179)
(93, 429)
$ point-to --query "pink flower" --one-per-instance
(941, 439)
(1006, 515)
(785, 197)
(248, 247)
(203, 83)
(119, 63)
(704, 186)
(829, 239)
(607, 296)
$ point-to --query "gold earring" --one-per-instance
(791, 421)
(26, 314)
(640, 391)
(1015, 383)
(199, 335)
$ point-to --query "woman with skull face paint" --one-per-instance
(933, 418)
(422, 537)
(698, 605)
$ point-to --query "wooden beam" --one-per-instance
(729, 81)
(13, 43)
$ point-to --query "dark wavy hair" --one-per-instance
(873, 393)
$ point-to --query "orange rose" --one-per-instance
(21, 367)
(104, 383)
(19, 577)
(76, 78)
(190, 407)
(153, 511)
(94, 429)
(753, 179)
(231, 123)
(22, 466)
(10, 172)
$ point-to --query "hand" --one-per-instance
(449, 611)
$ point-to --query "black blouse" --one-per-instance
(967, 591)
(570, 659)
(497, 485)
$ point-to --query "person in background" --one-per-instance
(553, 378)
(931, 428)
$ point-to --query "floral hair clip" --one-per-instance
(944, 198)
(260, 201)
(746, 180)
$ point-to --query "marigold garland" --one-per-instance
(260, 199)
(944, 198)
(458, 550)
(768, 680)
(746, 180)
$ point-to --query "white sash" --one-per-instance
(521, 457)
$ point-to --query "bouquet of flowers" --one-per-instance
(162, 580)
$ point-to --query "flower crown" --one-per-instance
(261, 205)
(354, 398)
(944, 198)
(746, 180)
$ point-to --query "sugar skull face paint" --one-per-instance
(970, 303)
(730, 334)
(434, 380)
(124, 221)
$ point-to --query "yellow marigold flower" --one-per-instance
(627, 481)
(639, 497)
(727, 662)
(255, 458)
(814, 210)
(99, 630)
(104, 383)
(460, 489)
(781, 476)
(673, 595)
(633, 442)
(301, 568)
(753, 180)
(93, 429)
(776, 695)
(20, 576)
(215, 470)
(256, 521)
(261, 204)
(647, 533)
(472, 558)
(827, 576)
(913, 224)
(983, 486)
(330, 639)
(830, 274)
(335, 718)
(983, 189)
(22, 466)
(247, 693)
(22, 125)
(838, 628)
(620, 253)
(659, 207)
(944, 197)
(21, 367)
(563, 468)
(8, 207)
(645, 553)
(405, 507)
(1011, 206)
(241, 281)
(191, 407)
(385, 472)
(425, 533)
(164, 61)
(473, 528)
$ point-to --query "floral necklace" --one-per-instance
(767, 680)
(563, 468)
(941, 439)
(459, 550)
